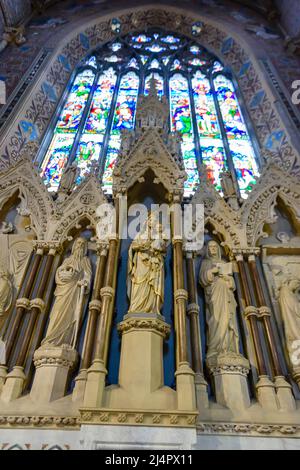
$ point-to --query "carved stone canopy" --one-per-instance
(150, 152)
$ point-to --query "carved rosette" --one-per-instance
(146, 322)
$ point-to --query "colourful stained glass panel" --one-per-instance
(181, 121)
(56, 159)
(159, 84)
(170, 39)
(234, 124)
(92, 61)
(75, 104)
(141, 38)
(244, 164)
(213, 156)
(88, 152)
(155, 48)
(154, 64)
(238, 138)
(205, 110)
(124, 116)
(99, 112)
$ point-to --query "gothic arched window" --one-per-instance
(103, 97)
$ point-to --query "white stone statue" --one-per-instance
(217, 279)
(146, 269)
(290, 309)
(7, 227)
(73, 279)
(68, 179)
(6, 291)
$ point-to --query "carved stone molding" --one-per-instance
(50, 422)
(138, 417)
(248, 429)
(146, 323)
(229, 364)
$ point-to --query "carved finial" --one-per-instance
(153, 89)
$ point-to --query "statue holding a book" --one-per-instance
(216, 277)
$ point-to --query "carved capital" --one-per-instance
(38, 303)
(193, 309)
(181, 294)
(251, 311)
(228, 363)
(264, 311)
(55, 357)
(23, 303)
(107, 292)
(146, 323)
(95, 305)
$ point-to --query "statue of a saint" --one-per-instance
(68, 179)
(6, 291)
(73, 279)
(290, 309)
(146, 269)
(217, 279)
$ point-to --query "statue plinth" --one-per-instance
(230, 372)
(141, 365)
(52, 369)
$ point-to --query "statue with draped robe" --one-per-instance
(290, 309)
(217, 280)
(146, 269)
(73, 279)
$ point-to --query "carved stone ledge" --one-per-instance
(249, 429)
(40, 421)
(136, 321)
(138, 417)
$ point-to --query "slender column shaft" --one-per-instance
(261, 366)
(15, 327)
(180, 298)
(107, 295)
(265, 318)
(194, 315)
(34, 312)
(94, 312)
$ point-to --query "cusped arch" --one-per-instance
(258, 210)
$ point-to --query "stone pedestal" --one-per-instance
(95, 384)
(286, 400)
(13, 386)
(141, 365)
(185, 385)
(230, 377)
(266, 394)
(52, 365)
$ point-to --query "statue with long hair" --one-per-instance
(146, 268)
(217, 279)
(73, 279)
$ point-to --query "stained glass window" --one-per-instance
(102, 102)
